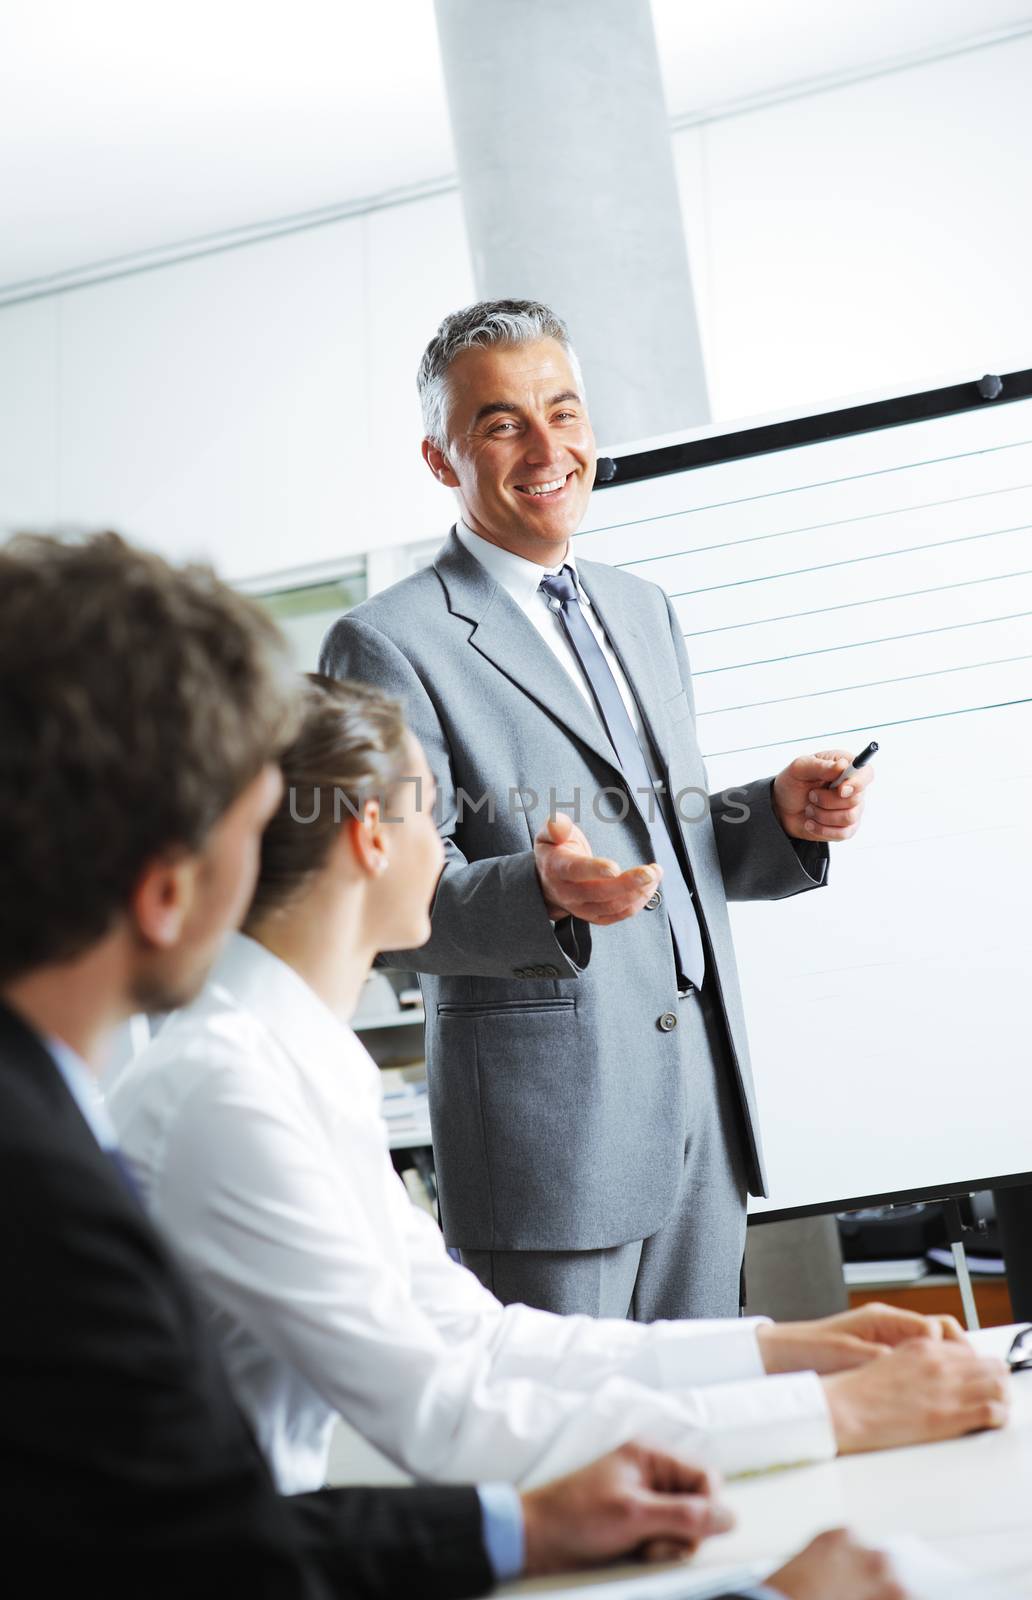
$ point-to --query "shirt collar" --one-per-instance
(302, 1024)
(517, 576)
(85, 1091)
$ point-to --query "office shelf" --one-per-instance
(389, 1019)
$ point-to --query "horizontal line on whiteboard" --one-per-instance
(816, 527)
(863, 727)
(832, 972)
(802, 488)
(861, 644)
(849, 605)
(936, 838)
(874, 683)
(852, 561)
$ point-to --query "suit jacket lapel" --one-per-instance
(630, 641)
(23, 1052)
(503, 636)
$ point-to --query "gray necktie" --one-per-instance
(684, 924)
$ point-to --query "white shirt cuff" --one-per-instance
(695, 1354)
(773, 1422)
(502, 1513)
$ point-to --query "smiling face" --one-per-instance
(521, 452)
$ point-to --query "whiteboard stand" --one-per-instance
(955, 1235)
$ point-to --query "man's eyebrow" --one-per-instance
(494, 408)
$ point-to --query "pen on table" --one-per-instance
(854, 767)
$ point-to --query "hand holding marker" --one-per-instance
(854, 767)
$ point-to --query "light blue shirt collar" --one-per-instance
(85, 1091)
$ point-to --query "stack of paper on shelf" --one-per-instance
(405, 1107)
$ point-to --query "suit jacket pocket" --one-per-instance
(506, 1008)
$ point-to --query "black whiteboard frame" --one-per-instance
(814, 429)
(895, 1197)
(765, 439)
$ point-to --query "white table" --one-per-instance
(970, 1499)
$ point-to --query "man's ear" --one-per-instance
(163, 898)
(367, 839)
(439, 465)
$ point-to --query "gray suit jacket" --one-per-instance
(555, 1091)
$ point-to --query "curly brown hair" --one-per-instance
(137, 701)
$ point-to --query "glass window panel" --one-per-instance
(306, 611)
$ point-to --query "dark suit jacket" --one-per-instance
(125, 1465)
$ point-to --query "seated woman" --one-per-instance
(253, 1125)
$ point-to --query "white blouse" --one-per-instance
(253, 1126)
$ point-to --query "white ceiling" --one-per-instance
(127, 126)
(730, 50)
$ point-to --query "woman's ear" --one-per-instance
(368, 839)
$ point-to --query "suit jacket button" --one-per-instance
(540, 972)
(654, 901)
(519, 972)
(667, 1022)
(551, 972)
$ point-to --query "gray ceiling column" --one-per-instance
(567, 176)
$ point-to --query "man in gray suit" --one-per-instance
(593, 1111)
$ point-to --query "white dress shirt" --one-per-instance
(253, 1127)
(521, 581)
(500, 1507)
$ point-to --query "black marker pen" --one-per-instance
(854, 766)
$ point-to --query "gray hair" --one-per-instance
(489, 322)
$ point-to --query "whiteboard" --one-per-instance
(872, 584)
